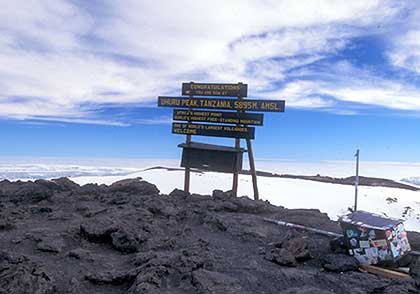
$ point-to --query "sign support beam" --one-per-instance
(187, 169)
(251, 165)
(252, 168)
(236, 174)
(237, 146)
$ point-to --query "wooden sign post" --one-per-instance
(187, 169)
(230, 124)
(237, 146)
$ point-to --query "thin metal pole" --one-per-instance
(297, 226)
(356, 182)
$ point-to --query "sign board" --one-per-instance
(206, 89)
(219, 117)
(221, 103)
(213, 130)
(211, 157)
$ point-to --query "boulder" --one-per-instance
(98, 230)
(247, 205)
(151, 280)
(179, 193)
(46, 240)
(220, 195)
(280, 256)
(143, 257)
(20, 275)
(90, 190)
(51, 244)
(298, 247)
(48, 184)
(340, 263)
(124, 241)
(111, 277)
(64, 184)
(134, 186)
(160, 206)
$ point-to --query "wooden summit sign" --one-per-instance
(222, 117)
(229, 124)
(205, 89)
(217, 103)
(213, 130)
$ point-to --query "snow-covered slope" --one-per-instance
(330, 198)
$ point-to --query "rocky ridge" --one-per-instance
(59, 237)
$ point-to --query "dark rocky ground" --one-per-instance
(58, 237)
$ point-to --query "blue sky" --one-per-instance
(81, 78)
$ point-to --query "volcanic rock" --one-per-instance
(64, 184)
(81, 254)
(40, 210)
(280, 256)
(179, 193)
(134, 186)
(340, 263)
(20, 275)
(98, 230)
(128, 238)
(6, 225)
(298, 247)
(415, 268)
(113, 278)
(52, 245)
(25, 192)
(124, 241)
(213, 282)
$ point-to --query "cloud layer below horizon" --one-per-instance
(64, 60)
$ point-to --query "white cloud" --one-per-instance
(48, 23)
(405, 44)
(407, 51)
(61, 57)
(328, 86)
(302, 94)
(347, 83)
